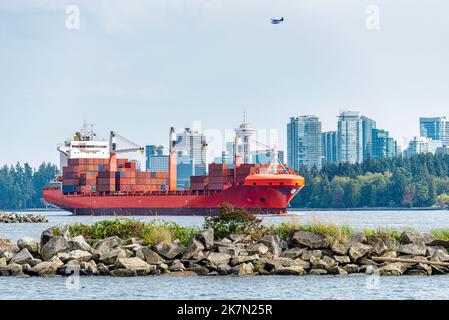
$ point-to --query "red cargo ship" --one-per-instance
(114, 187)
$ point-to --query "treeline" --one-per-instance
(21, 186)
(418, 181)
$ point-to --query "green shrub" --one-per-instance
(442, 234)
(234, 220)
(386, 232)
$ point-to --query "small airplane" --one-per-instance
(277, 21)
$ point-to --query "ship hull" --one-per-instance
(256, 199)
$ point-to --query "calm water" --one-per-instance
(252, 287)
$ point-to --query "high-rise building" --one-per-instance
(349, 137)
(244, 141)
(436, 128)
(329, 146)
(190, 155)
(367, 128)
(304, 142)
(155, 160)
(422, 145)
(383, 146)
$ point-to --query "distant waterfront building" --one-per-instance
(436, 128)
(423, 145)
(304, 142)
(367, 128)
(349, 137)
(383, 146)
(155, 160)
(442, 150)
(190, 156)
(244, 146)
(329, 146)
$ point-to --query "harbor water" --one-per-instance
(232, 287)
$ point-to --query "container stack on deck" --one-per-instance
(94, 175)
(221, 177)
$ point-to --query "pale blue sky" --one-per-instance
(139, 67)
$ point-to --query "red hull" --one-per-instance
(257, 199)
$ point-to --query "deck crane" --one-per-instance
(114, 151)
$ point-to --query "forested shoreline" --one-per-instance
(418, 181)
(21, 185)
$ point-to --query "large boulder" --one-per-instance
(243, 269)
(206, 237)
(28, 243)
(293, 253)
(218, 258)
(358, 250)
(378, 247)
(273, 244)
(107, 244)
(54, 246)
(392, 269)
(47, 267)
(408, 237)
(440, 255)
(193, 247)
(61, 230)
(169, 250)
(134, 264)
(243, 259)
(308, 254)
(290, 271)
(79, 243)
(149, 256)
(415, 249)
(342, 259)
(420, 269)
(110, 257)
(340, 248)
(309, 239)
(176, 266)
(23, 257)
(12, 269)
(3, 262)
(257, 248)
(80, 255)
(440, 242)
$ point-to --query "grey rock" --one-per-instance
(318, 263)
(134, 264)
(12, 269)
(111, 257)
(193, 247)
(200, 255)
(440, 242)
(392, 269)
(217, 258)
(293, 253)
(169, 250)
(224, 269)
(378, 248)
(257, 248)
(23, 257)
(235, 237)
(8, 254)
(290, 271)
(408, 237)
(392, 244)
(206, 237)
(425, 269)
(390, 254)
(103, 270)
(358, 250)
(308, 254)
(123, 273)
(301, 263)
(367, 269)
(149, 256)
(61, 230)
(439, 270)
(232, 250)
(3, 262)
(177, 266)
(366, 261)
(272, 242)
(440, 255)
(351, 268)
(358, 238)
(243, 269)
(243, 259)
(417, 249)
(54, 246)
(28, 243)
(89, 268)
(340, 248)
(79, 243)
(107, 244)
(47, 267)
(317, 272)
(342, 259)
(79, 255)
(330, 263)
(338, 270)
(309, 239)
(199, 270)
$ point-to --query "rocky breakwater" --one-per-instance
(21, 218)
(299, 253)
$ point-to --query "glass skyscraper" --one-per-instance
(383, 146)
(350, 137)
(304, 142)
(367, 128)
(329, 146)
(191, 156)
(435, 128)
(155, 160)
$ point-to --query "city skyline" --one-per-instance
(140, 68)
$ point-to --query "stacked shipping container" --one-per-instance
(94, 175)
